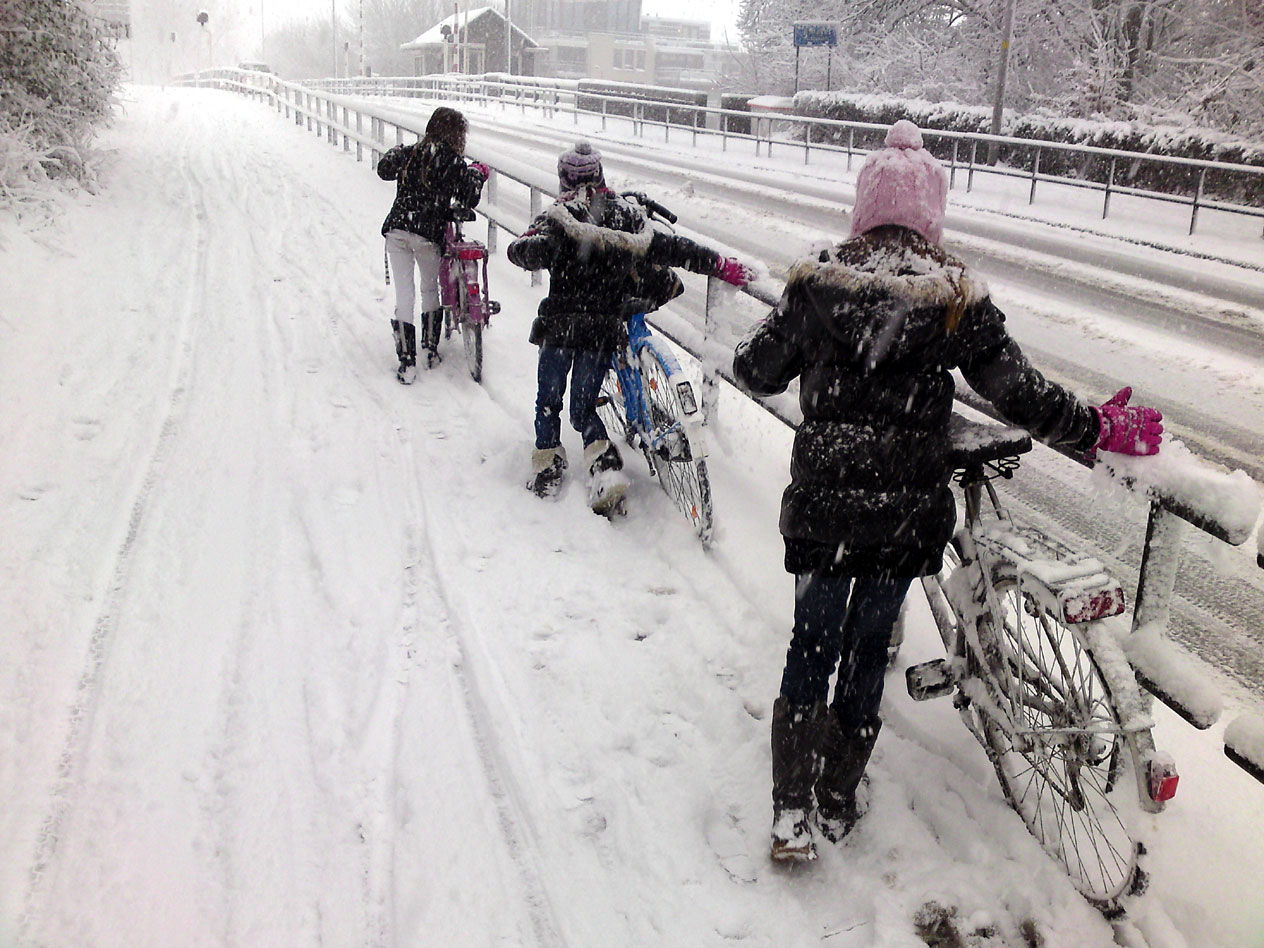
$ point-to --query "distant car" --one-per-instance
(255, 67)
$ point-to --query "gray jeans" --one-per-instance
(404, 249)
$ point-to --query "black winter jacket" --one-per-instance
(600, 250)
(872, 329)
(429, 176)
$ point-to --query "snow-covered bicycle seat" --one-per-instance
(974, 443)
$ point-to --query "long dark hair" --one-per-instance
(446, 127)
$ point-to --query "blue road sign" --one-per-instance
(815, 34)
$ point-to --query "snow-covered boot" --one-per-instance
(795, 732)
(840, 800)
(406, 350)
(431, 327)
(547, 467)
(609, 483)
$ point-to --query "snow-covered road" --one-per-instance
(291, 658)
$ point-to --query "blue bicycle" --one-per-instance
(647, 401)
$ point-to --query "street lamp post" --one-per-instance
(1007, 35)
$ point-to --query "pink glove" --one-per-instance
(1129, 429)
(482, 169)
(731, 270)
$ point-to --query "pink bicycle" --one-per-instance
(463, 291)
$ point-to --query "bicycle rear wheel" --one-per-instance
(682, 475)
(611, 408)
(472, 337)
(1061, 766)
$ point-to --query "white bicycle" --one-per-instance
(1039, 680)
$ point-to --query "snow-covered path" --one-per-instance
(290, 658)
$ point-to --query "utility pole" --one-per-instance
(508, 39)
(1007, 35)
(333, 22)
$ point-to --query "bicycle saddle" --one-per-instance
(973, 442)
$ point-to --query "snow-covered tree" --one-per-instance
(58, 75)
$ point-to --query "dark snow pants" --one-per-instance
(843, 624)
(586, 368)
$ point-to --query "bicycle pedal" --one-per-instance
(928, 680)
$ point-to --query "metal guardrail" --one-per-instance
(565, 99)
(330, 115)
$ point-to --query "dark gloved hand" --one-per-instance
(1129, 429)
(482, 169)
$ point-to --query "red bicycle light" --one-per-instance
(1163, 780)
(470, 253)
(1087, 606)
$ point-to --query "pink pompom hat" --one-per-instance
(901, 184)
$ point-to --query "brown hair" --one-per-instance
(448, 126)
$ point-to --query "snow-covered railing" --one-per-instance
(964, 158)
(1182, 490)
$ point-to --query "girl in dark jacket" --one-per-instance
(430, 177)
(872, 329)
(592, 242)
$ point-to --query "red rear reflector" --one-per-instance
(1086, 607)
(1163, 781)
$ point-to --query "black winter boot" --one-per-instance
(431, 328)
(406, 350)
(547, 467)
(608, 483)
(844, 754)
(795, 734)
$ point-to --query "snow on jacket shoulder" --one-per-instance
(593, 242)
(430, 177)
(873, 328)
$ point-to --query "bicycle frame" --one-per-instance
(626, 365)
(461, 286)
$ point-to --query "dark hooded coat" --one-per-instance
(872, 328)
(429, 177)
(601, 252)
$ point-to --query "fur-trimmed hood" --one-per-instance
(912, 271)
(880, 296)
(631, 231)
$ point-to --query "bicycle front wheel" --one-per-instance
(682, 475)
(1061, 762)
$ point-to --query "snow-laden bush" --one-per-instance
(58, 75)
(1167, 140)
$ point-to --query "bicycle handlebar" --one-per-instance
(650, 205)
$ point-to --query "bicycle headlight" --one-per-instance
(685, 391)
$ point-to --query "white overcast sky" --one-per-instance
(721, 13)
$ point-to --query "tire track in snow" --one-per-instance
(82, 708)
(520, 839)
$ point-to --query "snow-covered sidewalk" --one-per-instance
(291, 658)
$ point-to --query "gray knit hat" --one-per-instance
(579, 166)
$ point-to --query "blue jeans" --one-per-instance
(843, 624)
(586, 368)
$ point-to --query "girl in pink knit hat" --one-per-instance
(873, 329)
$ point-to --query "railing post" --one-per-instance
(710, 387)
(491, 236)
(807, 140)
(974, 153)
(1110, 184)
(1035, 173)
(603, 115)
(952, 167)
(1159, 561)
(359, 135)
(851, 144)
(346, 145)
(1198, 197)
(536, 194)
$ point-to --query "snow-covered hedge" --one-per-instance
(58, 75)
(1172, 141)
